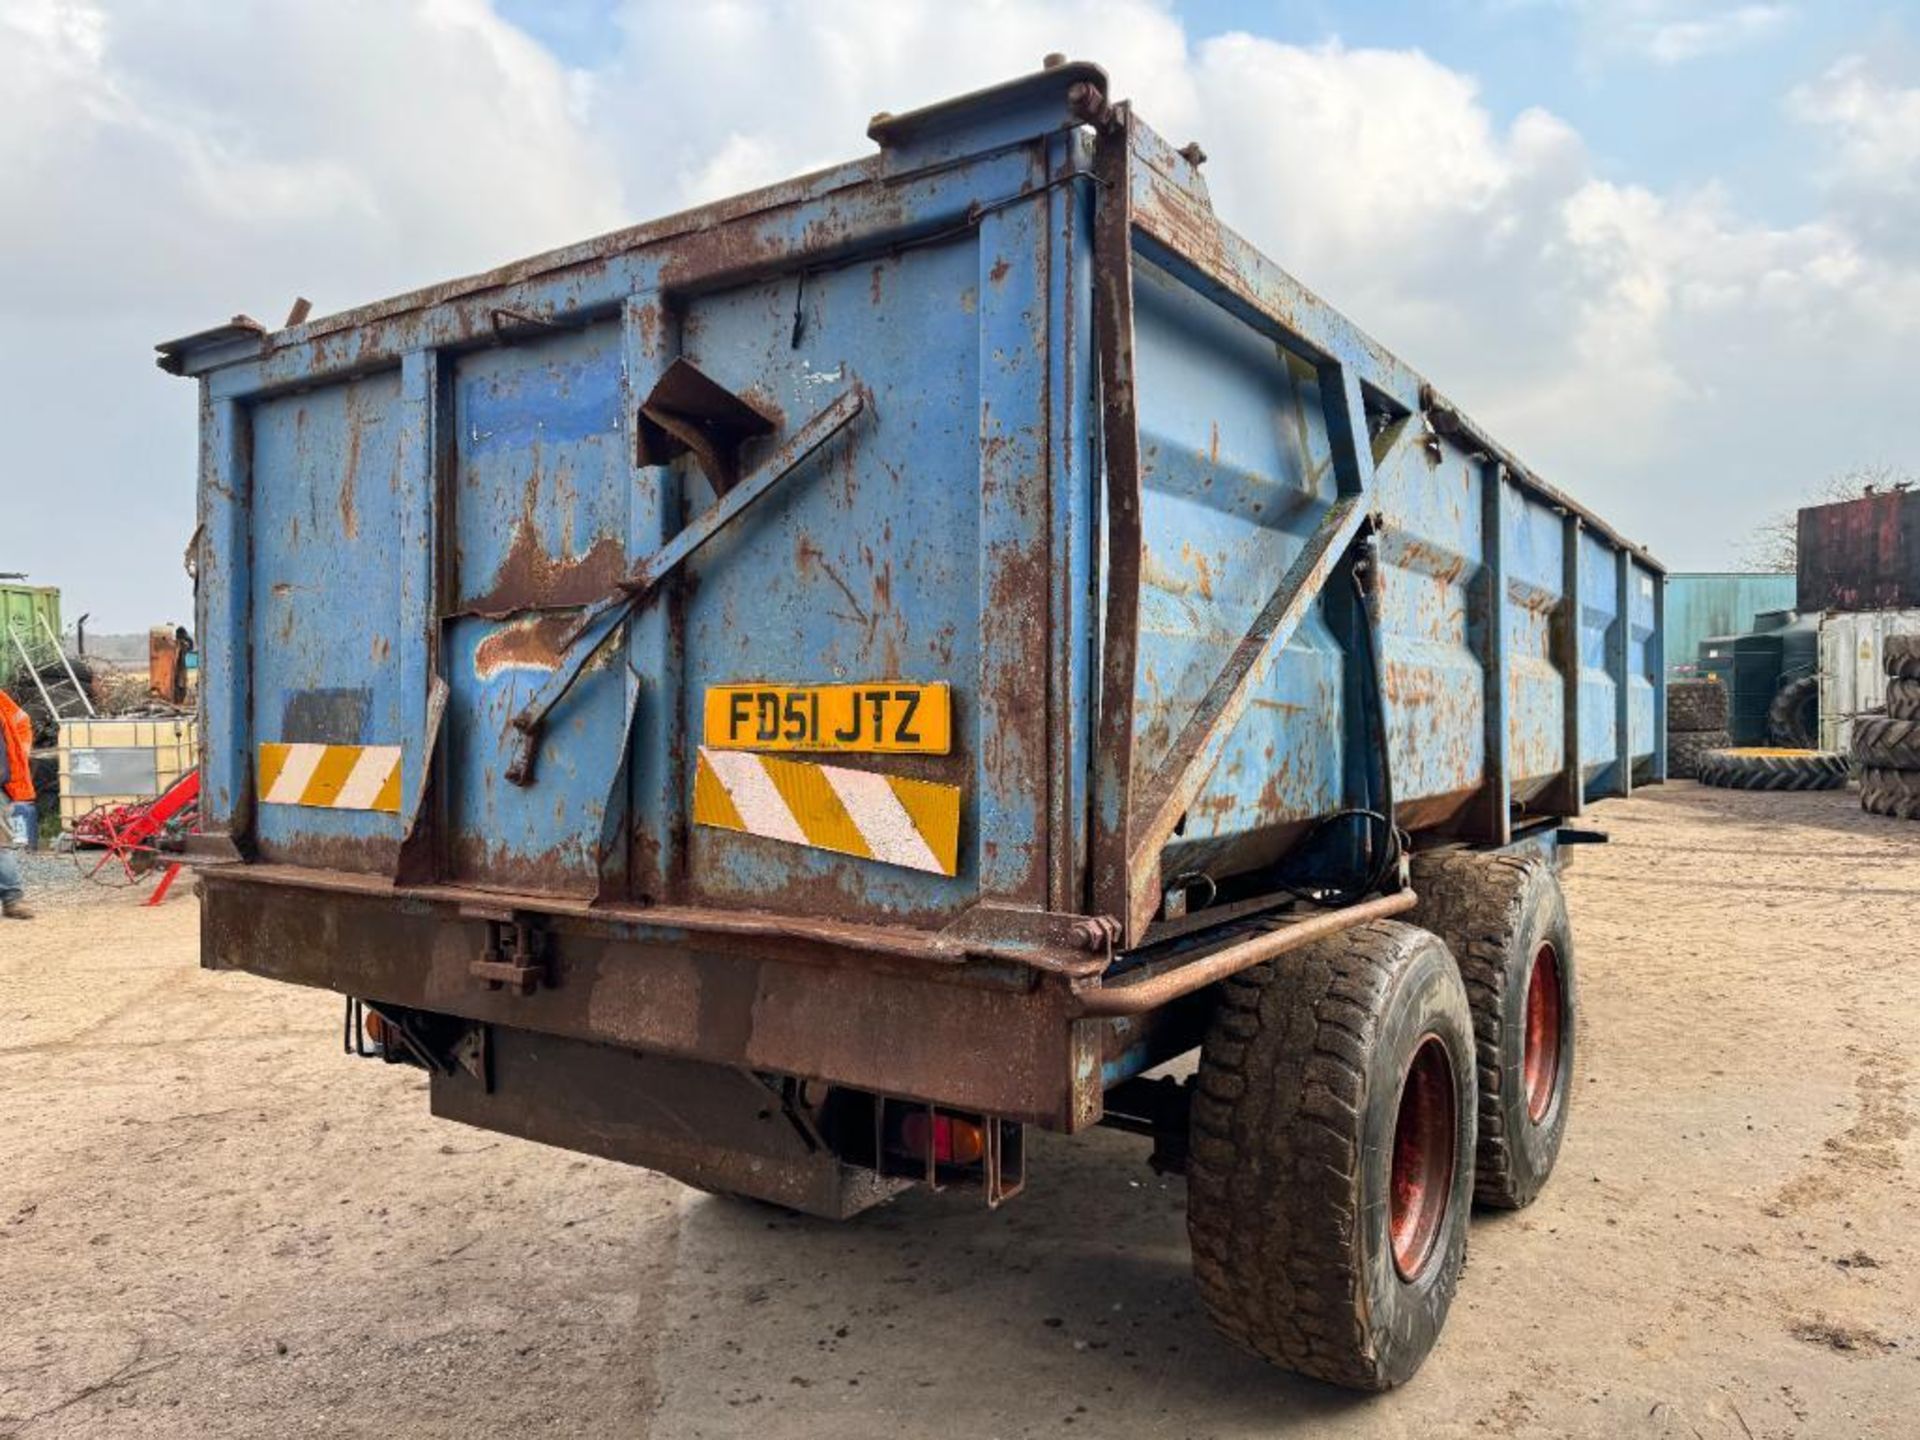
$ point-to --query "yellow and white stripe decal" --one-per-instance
(889, 818)
(332, 777)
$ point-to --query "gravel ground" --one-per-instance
(54, 880)
(212, 1224)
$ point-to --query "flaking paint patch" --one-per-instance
(530, 644)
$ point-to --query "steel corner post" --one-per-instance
(1113, 848)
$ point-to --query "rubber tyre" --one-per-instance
(1895, 793)
(1687, 749)
(1294, 1122)
(1903, 699)
(1770, 769)
(1884, 743)
(1496, 913)
(1901, 656)
(1793, 719)
(1694, 705)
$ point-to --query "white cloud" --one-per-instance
(732, 92)
(1873, 125)
(1660, 354)
(326, 148)
(1667, 32)
(1671, 42)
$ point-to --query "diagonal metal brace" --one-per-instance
(599, 621)
(1189, 764)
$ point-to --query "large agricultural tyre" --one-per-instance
(1793, 719)
(1903, 699)
(1765, 768)
(1883, 743)
(1894, 793)
(1505, 920)
(1694, 705)
(1900, 654)
(1330, 1174)
(1686, 748)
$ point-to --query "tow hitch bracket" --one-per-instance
(514, 958)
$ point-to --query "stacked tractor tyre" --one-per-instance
(1886, 746)
(1696, 723)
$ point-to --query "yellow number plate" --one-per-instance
(881, 718)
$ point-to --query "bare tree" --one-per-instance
(1773, 546)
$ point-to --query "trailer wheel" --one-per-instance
(1331, 1166)
(1762, 768)
(1903, 699)
(1794, 716)
(1505, 920)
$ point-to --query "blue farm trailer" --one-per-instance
(795, 693)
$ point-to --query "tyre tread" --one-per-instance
(1696, 705)
(1903, 699)
(1884, 743)
(1787, 715)
(1893, 793)
(1475, 902)
(1286, 1286)
(1900, 655)
(1805, 770)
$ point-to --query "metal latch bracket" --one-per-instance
(514, 958)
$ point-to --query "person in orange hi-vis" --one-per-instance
(16, 785)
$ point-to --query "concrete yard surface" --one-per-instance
(212, 1223)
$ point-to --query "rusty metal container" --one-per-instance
(1197, 590)
(1861, 554)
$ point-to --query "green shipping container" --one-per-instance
(1702, 605)
(22, 607)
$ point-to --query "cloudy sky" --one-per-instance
(1668, 250)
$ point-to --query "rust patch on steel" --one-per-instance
(566, 869)
(373, 856)
(350, 472)
(531, 644)
(531, 579)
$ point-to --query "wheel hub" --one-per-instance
(1421, 1185)
(1540, 1065)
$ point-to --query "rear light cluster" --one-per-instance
(943, 1139)
(938, 1147)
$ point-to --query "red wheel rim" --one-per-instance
(1540, 1063)
(1423, 1141)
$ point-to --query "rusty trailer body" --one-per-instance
(1168, 597)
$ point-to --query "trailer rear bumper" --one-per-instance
(993, 1037)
